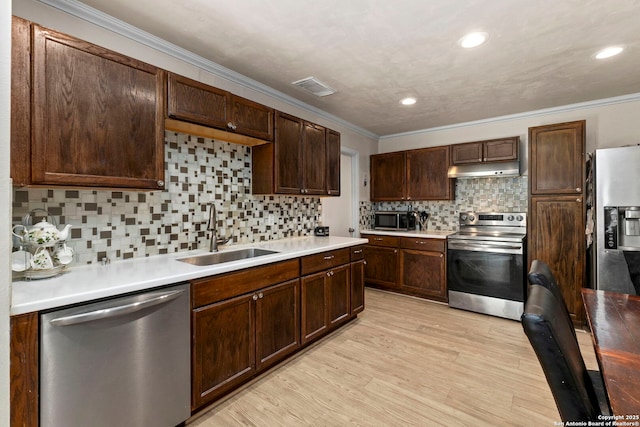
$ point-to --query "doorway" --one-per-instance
(341, 213)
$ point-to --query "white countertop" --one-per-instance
(89, 282)
(428, 234)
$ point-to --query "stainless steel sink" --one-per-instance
(221, 257)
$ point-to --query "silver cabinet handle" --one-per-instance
(378, 239)
(421, 242)
(255, 297)
(327, 258)
(160, 183)
(359, 251)
(260, 295)
(231, 126)
(115, 311)
(578, 190)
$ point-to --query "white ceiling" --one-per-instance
(374, 52)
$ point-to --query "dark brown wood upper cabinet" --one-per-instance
(493, 150)
(388, 175)
(302, 160)
(199, 103)
(250, 118)
(288, 154)
(557, 158)
(333, 163)
(98, 117)
(20, 101)
(412, 175)
(314, 166)
(427, 174)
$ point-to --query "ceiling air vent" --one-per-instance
(314, 86)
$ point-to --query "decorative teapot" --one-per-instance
(42, 234)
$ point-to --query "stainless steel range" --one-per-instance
(486, 263)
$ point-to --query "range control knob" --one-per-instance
(463, 217)
(472, 218)
(519, 217)
(510, 218)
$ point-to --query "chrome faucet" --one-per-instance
(212, 226)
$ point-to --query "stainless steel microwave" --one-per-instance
(394, 220)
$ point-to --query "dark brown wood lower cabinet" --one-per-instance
(223, 347)
(557, 237)
(325, 301)
(409, 265)
(236, 338)
(338, 284)
(277, 324)
(382, 266)
(422, 273)
(357, 287)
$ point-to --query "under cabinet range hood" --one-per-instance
(485, 170)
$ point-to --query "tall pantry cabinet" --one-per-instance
(557, 208)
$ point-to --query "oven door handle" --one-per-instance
(490, 247)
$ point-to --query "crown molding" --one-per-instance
(101, 19)
(634, 97)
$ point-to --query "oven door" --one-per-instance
(487, 268)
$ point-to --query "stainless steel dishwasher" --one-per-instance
(119, 362)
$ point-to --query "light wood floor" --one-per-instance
(404, 362)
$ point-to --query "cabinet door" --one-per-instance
(223, 347)
(314, 166)
(333, 163)
(423, 273)
(557, 238)
(388, 175)
(339, 295)
(470, 152)
(382, 266)
(197, 102)
(251, 119)
(556, 158)
(427, 174)
(277, 323)
(357, 287)
(20, 101)
(314, 308)
(288, 154)
(98, 116)
(500, 149)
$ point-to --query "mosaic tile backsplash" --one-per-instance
(199, 171)
(472, 194)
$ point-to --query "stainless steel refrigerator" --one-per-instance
(617, 219)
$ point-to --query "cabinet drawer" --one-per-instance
(377, 240)
(318, 262)
(217, 288)
(423, 244)
(357, 252)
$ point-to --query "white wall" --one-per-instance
(5, 213)
(610, 123)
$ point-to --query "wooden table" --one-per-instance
(615, 323)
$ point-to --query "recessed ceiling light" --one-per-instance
(609, 52)
(408, 101)
(473, 40)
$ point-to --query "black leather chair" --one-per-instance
(540, 274)
(578, 393)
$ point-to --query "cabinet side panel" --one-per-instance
(24, 370)
(20, 102)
